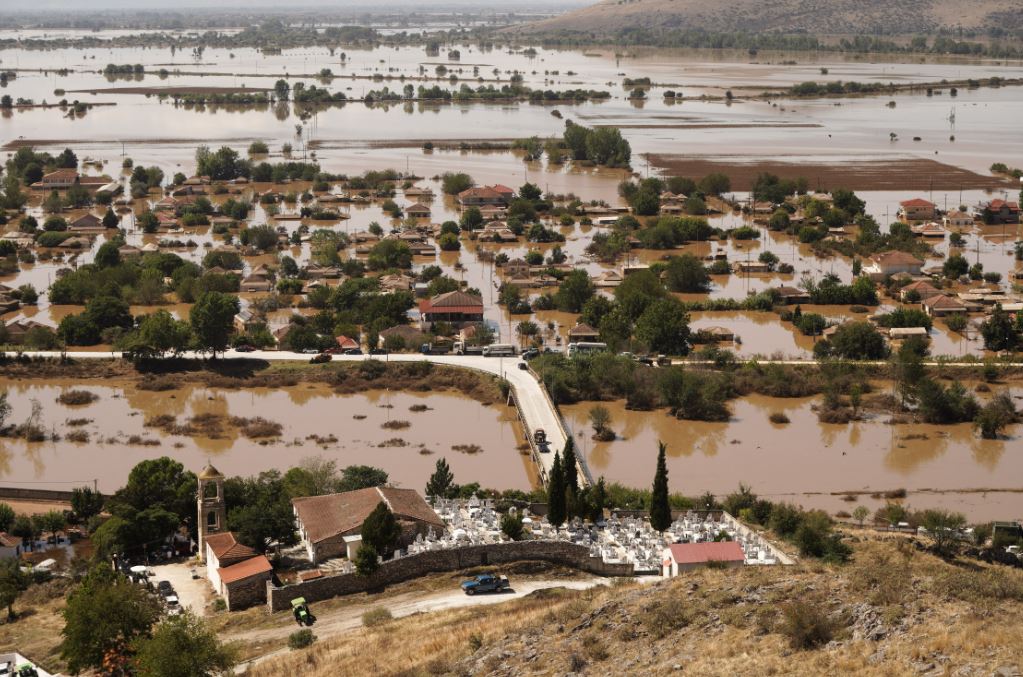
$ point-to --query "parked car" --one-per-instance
(485, 583)
(523, 366)
(354, 351)
(530, 353)
(173, 606)
(378, 351)
(245, 349)
(164, 588)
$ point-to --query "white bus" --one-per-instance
(586, 347)
(499, 350)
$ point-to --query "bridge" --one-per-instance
(535, 407)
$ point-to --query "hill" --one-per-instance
(816, 17)
(894, 610)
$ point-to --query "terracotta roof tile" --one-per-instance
(327, 516)
(247, 569)
(227, 549)
(701, 553)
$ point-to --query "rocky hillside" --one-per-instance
(895, 609)
(817, 17)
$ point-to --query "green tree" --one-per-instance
(13, 582)
(860, 514)
(955, 266)
(511, 526)
(615, 329)
(182, 646)
(944, 527)
(660, 508)
(557, 511)
(859, 341)
(160, 333)
(442, 481)
(212, 319)
(110, 219)
(51, 522)
(570, 467)
(574, 291)
(664, 327)
(104, 615)
(361, 477)
(85, 503)
(999, 331)
(7, 513)
(366, 560)
(390, 254)
(381, 530)
(998, 413)
(687, 274)
(637, 291)
(472, 218)
(454, 183)
(108, 256)
(260, 510)
(157, 483)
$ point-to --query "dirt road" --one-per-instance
(349, 618)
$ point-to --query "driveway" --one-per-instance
(193, 594)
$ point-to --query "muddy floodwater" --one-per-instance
(346, 428)
(805, 461)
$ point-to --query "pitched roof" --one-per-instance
(8, 541)
(916, 202)
(999, 203)
(452, 302)
(227, 549)
(582, 329)
(247, 569)
(62, 174)
(701, 553)
(942, 301)
(897, 257)
(326, 516)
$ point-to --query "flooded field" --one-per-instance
(805, 461)
(349, 429)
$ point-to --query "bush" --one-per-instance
(77, 397)
(377, 616)
(806, 625)
(778, 417)
(300, 639)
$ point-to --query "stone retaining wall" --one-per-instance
(412, 566)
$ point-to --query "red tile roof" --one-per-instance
(452, 302)
(896, 257)
(8, 541)
(227, 549)
(916, 202)
(323, 517)
(998, 204)
(247, 569)
(701, 553)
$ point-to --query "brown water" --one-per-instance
(805, 460)
(303, 410)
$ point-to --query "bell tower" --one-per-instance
(212, 509)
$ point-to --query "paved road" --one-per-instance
(537, 409)
(349, 617)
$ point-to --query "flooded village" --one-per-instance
(293, 269)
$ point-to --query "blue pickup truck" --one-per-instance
(485, 583)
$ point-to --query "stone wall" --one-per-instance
(247, 592)
(412, 566)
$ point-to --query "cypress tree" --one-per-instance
(570, 466)
(441, 481)
(660, 510)
(556, 493)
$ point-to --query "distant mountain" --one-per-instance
(872, 17)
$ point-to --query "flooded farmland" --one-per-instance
(809, 462)
(357, 429)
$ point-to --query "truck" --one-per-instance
(435, 348)
(461, 348)
(540, 440)
(485, 583)
(499, 350)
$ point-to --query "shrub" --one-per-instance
(376, 616)
(806, 625)
(778, 417)
(300, 639)
(77, 397)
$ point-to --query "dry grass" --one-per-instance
(802, 620)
